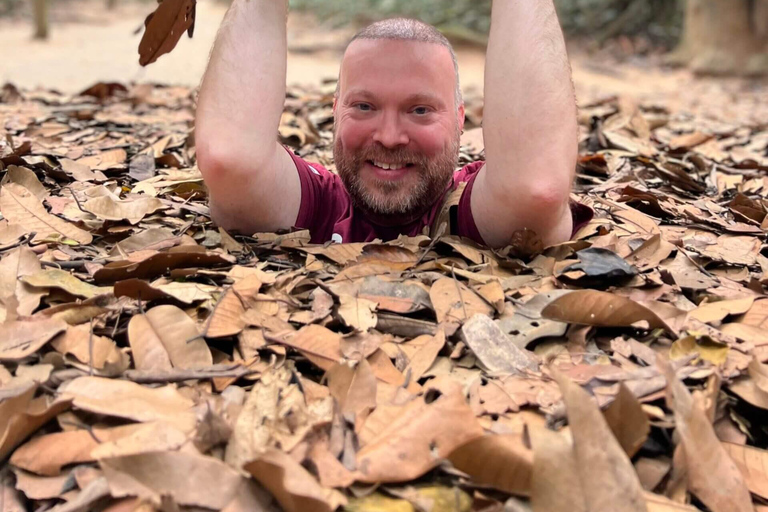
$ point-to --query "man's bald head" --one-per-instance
(406, 29)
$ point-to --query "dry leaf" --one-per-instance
(627, 421)
(454, 302)
(21, 206)
(165, 337)
(592, 307)
(188, 478)
(134, 210)
(494, 348)
(611, 483)
(22, 415)
(165, 27)
(501, 461)
(713, 477)
(292, 485)
(63, 280)
(403, 443)
(21, 338)
(358, 313)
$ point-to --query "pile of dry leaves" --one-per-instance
(150, 361)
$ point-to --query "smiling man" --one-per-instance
(398, 121)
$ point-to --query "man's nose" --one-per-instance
(390, 132)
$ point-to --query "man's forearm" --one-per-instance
(243, 90)
(530, 128)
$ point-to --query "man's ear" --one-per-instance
(461, 117)
(335, 101)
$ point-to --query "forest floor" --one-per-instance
(151, 361)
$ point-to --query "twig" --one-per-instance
(25, 239)
(181, 374)
(90, 349)
(432, 244)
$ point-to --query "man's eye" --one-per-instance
(420, 111)
(363, 107)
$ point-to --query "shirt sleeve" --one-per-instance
(319, 198)
(465, 221)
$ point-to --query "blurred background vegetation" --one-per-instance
(659, 20)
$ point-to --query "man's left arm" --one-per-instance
(530, 127)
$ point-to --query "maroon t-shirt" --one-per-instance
(329, 215)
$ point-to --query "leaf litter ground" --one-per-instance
(151, 361)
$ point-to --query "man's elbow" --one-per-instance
(552, 219)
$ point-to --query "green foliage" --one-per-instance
(659, 19)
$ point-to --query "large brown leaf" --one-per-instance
(165, 27)
(21, 338)
(166, 337)
(19, 205)
(592, 307)
(22, 415)
(712, 475)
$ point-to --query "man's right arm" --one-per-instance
(252, 181)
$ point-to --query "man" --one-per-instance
(398, 121)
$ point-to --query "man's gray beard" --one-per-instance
(434, 173)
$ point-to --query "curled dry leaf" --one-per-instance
(134, 210)
(22, 415)
(294, 488)
(186, 293)
(165, 27)
(611, 483)
(226, 319)
(753, 464)
(592, 307)
(501, 461)
(406, 297)
(555, 482)
(18, 263)
(63, 280)
(166, 337)
(713, 477)
(155, 264)
(627, 420)
(20, 206)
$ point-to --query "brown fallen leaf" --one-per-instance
(717, 311)
(189, 478)
(501, 461)
(186, 293)
(153, 437)
(226, 319)
(37, 487)
(166, 337)
(129, 400)
(134, 210)
(454, 302)
(22, 415)
(592, 307)
(318, 344)
(421, 360)
(45, 455)
(400, 443)
(713, 477)
(353, 388)
(165, 27)
(494, 349)
(19, 339)
(358, 313)
(292, 486)
(611, 483)
(627, 421)
(10, 498)
(555, 482)
(154, 264)
(63, 280)
(753, 464)
(21, 206)
(99, 352)
(27, 179)
(15, 264)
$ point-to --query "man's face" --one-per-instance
(397, 126)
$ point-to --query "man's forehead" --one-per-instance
(364, 55)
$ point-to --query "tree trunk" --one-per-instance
(111, 4)
(724, 37)
(40, 10)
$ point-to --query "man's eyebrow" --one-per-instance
(416, 98)
(424, 97)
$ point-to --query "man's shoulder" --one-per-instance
(467, 172)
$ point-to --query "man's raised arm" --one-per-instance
(529, 126)
(252, 181)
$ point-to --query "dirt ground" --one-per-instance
(89, 44)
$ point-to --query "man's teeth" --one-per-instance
(389, 167)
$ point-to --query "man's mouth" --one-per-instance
(390, 166)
